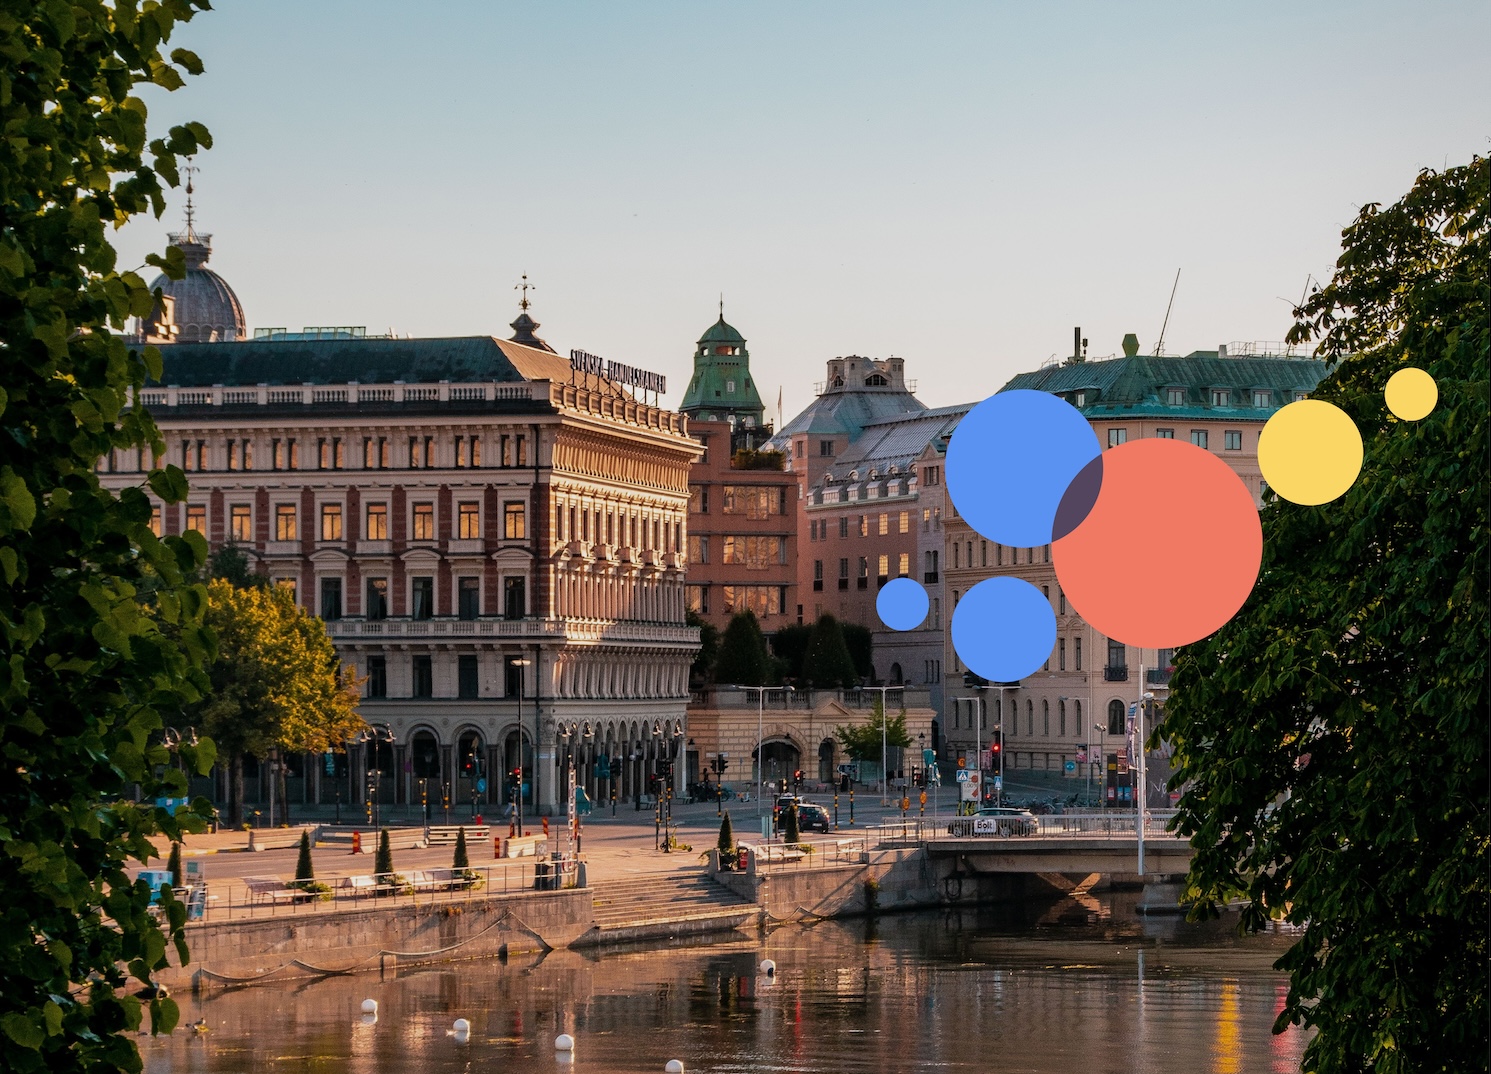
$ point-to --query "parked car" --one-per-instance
(995, 820)
(812, 818)
(782, 802)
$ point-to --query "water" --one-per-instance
(1072, 986)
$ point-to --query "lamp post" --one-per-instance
(525, 662)
(1102, 730)
(375, 737)
(884, 752)
(761, 692)
(1139, 803)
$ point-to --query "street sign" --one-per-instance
(1070, 766)
(962, 775)
(929, 757)
(999, 783)
(968, 787)
(481, 786)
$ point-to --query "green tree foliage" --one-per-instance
(827, 663)
(791, 833)
(743, 658)
(277, 683)
(460, 860)
(863, 741)
(173, 863)
(726, 841)
(701, 672)
(861, 649)
(383, 859)
(303, 867)
(231, 564)
(790, 645)
(1331, 741)
(92, 667)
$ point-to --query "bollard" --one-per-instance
(357, 842)
(497, 846)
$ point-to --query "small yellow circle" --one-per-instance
(1310, 452)
(1411, 394)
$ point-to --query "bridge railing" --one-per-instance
(1112, 825)
(846, 849)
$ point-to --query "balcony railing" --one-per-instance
(1158, 676)
(1116, 673)
(929, 577)
(531, 629)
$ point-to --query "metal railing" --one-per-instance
(1116, 673)
(808, 853)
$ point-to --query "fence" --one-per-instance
(809, 854)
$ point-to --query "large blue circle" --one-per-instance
(902, 604)
(1004, 629)
(1011, 460)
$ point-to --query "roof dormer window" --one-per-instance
(876, 380)
(1175, 397)
(1079, 399)
(838, 381)
(1262, 398)
(1220, 397)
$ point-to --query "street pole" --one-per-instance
(1139, 758)
(1102, 730)
(760, 735)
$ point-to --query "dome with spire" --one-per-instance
(205, 309)
(721, 333)
(721, 388)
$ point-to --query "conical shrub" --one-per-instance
(303, 870)
(460, 861)
(727, 836)
(383, 860)
(790, 832)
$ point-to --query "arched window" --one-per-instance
(1029, 717)
(876, 380)
(1115, 717)
(838, 382)
(1046, 718)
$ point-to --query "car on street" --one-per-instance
(782, 802)
(995, 820)
(812, 818)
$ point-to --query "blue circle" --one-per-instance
(1011, 460)
(902, 604)
(1004, 629)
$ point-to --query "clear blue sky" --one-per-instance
(955, 183)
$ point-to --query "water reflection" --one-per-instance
(1040, 989)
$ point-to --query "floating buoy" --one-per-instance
(370, 1006)
(674, 1067)
(200, 1026)
(564, 1043)
(461, 1026)
(768, 967)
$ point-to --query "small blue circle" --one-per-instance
(902, 604)
(1004, 629)
(1011, 460)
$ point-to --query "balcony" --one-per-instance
(1116, 673)
(1158, 676)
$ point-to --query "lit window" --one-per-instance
(284, 522)
(242, 522)
(884, 571)
(884, 523)
(864, 525)
(424, 522)
(377, 522)
(1232, 440)
(155, 525)
(905, 522)
(903, 565)
(196, 518)
(468, 519)
(512, 521)
(331, 522)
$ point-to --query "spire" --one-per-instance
(198, 248)
(524, 286)
(525, 326)
(191, 170)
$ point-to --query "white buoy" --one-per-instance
(564, 1043)
(768, 967)
(461, 1026)
(674, 1067)
(370, 1006)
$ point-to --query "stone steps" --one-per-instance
(628, 904)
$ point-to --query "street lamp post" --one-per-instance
(761, 692)
(1102, 730)
(375, 737)
(1139, 798)
(884, 752)
(525, 662)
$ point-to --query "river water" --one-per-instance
(1083, 986)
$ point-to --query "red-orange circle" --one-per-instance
(1169, 551)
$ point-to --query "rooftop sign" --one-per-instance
(617, 372)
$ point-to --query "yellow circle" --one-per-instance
(1411, 394)
(1310, 452)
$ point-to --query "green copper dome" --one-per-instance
(721, 388)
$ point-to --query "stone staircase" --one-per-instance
(665, 905)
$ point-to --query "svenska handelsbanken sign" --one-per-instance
(618, 372)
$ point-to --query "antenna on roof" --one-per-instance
(525, 286)
(190, 168)
(722, 305)
(1159, 348)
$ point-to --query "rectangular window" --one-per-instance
(423, 679)
(1117, 654)
(377, 528)
(1060, 654)
(883, 574)
(1077, 652)
(277, 454)
(522, 450)
(284, 522)
(155, 523)
(753, 501)
(248, 454)
(844, 526)
(844, 573)
(188, 456)
(331, 599)
(762, 600)
(862, 578)
(903, 565)
(1117, 436)
(424, 522)
(416, 452)
(697, 597)
(1199, 437)
(884, 523)
(233, 455)
(825, 448)
(468, 597)
(864, 525)
(513, 527)
(338, 454)
(817, 575)
(905, 522)
(1232, 440)
(241, 517)
(377, 598)
(1165, 434)
(1220, 397)
(476, 451)
(468, 520)
(331, 522)
(369, 453)
(323, 453)
(422, 597)
(466, 675)
(196, 518)
(1175, 396)
(460, 451)
(515, 597)
(377, 676)
(753, 553)
(699, 499)
(1262, 397)
(698, 548)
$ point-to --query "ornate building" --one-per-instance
(496, 543)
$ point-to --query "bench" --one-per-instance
(272, 889)
(438, 879)
(356, 886)
(772, 853)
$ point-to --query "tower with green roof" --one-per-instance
(721, 388)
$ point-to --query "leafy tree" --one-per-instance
(790, 645)
(231, 564)
(701, 672)
(1331, 740)
(460, 860)
(861, 650)
(100, 630)
(303, 868)
(791, 833)
(827, 663)
(743, 658)
(863, 741)
(277, 683)
(383, 859)
(727, 837)
(173, 863)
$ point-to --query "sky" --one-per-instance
(958, 184)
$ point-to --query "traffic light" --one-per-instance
(994, 749)
(724, 764)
